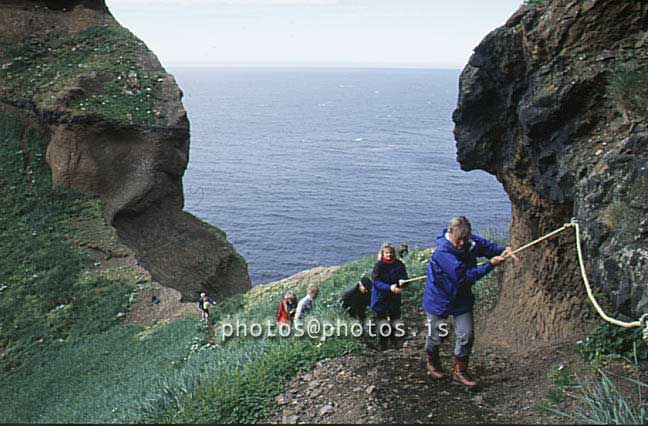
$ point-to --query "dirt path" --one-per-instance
(169, 307)
(144, 312)
(393, 386)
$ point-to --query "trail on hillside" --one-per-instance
(169, 306)
(393, 385)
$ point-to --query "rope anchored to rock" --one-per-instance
(642, 322)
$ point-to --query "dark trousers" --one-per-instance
(386, 334)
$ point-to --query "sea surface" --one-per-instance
(303, 167)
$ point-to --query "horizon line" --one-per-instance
(310, 65)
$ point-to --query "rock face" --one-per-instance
(118, 129)
(539, 109)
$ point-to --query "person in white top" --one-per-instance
(307, 303)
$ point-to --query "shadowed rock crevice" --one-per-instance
(182, 252)
(536, 110)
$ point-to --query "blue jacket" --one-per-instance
(451, 274)
(201, 305)
(383, 276)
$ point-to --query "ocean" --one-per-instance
(303, 167)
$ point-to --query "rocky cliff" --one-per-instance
(116, 128)
(555, 105)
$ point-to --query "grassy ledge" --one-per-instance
(96, 72)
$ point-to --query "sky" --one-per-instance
(392, 33)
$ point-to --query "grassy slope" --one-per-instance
(246, 393)
(66, 356)
(48, 286)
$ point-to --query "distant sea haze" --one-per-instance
(303, 167)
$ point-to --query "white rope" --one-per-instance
(574, 224)
(589, 289)
(524, 247)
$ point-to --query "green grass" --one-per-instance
(560, 376)
(609, 341)
(49, 289)
(98, 378)
(96, 72)
(243, 389)
(628, 85)
(601, 401)
(605, 398)
(65, 355)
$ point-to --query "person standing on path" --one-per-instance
(204, 303)
(451, 273)
(388, 275)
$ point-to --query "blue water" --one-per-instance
(308, 167)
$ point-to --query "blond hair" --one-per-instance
(290, 295)
(311, 288)
(460, 227)
(385, 246)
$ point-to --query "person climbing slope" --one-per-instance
(451, 273)
(287, 308)
(204, 303)
(387, 276)
(307, 304)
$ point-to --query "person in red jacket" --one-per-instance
(287, 308)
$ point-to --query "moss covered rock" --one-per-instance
(115, 126)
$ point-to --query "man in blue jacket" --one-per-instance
(451, 273)
(387, 276)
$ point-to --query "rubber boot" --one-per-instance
(434, 364)
(461, 375)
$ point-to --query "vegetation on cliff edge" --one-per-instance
(628, 86)
(63, 345)
(49, 291)
(96, 72)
